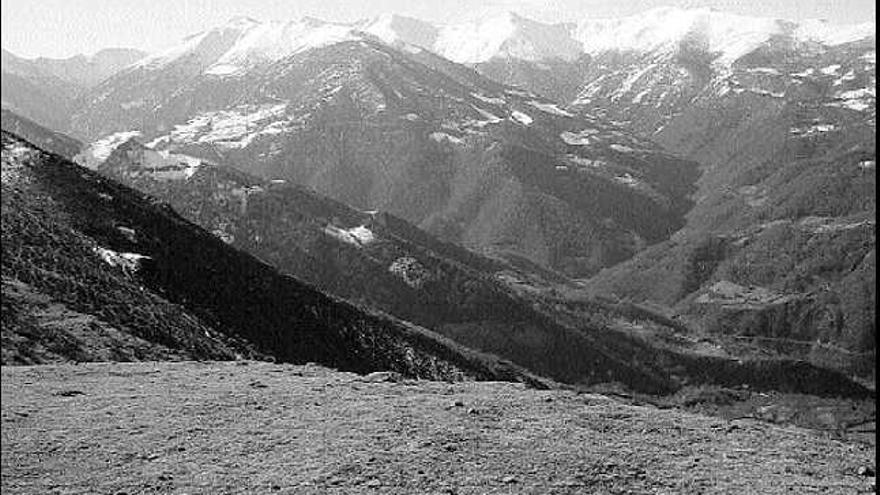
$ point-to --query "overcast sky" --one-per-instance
(61, 28)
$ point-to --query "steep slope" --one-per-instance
(669, 46)
(51, 141)
(88, 70)
(385, 262)
(780, 243)
(484, 304)
(495, 169)
(781, 115)
(89, 263)
(32, 92)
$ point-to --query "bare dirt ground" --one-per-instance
(252, 427)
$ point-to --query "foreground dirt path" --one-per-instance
(267, 428)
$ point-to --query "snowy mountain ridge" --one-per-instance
(244, 42)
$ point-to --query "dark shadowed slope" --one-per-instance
(74, 242)
(34, 133)
(389, 264)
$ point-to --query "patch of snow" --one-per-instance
(621, 148)
(764, 92)
(441, 137)
(234, 128)
(517, 92)
(581, 138)
(489, 99)
(812, 130)
(630, 80)
(856, 99)
(223, 70)
(637, 99)
(829, 34)
(549, 108)
(858, 93)
(357, 236)
(521, 117)
(96, 153)
(626, 179)
(129, 262)
(830, 225)
(764, 70)
(849, 76)
(586, 162)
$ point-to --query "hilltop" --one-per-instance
(272, 428)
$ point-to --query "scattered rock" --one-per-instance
(258, 385)
(509, 479)
(383, 376)
(473, 410)
(69, 393)
(458, 403)
(373, 483)
(865, 471)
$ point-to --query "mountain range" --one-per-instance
(718, 169)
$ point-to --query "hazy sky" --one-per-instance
(61, 28)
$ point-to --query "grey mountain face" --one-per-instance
(722, 166)
(496, 169)
(88, 71)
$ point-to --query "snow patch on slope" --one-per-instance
(357, 236)
(128, 262)
(96, 153)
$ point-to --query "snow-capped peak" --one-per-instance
(821, 31)
(271, 41)
(728, 35)
(243, 42)
(506, 35)
(395, 29)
